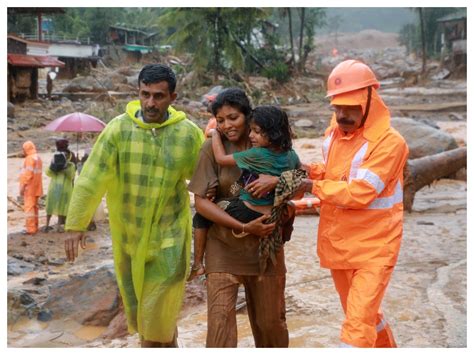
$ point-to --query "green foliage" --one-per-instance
(410, 34)
(278, 71)
(304, 22)
(218, 38)
(21, 23)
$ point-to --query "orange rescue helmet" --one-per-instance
(350, 75)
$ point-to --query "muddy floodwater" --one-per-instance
(425, 303)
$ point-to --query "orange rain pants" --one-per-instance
(361, 292)
(31, 214)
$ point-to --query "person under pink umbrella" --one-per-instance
(77, 122)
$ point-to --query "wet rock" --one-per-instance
(304, 123)
(90, 298)
(11, 110)
(57, 262)
(423, 139)
(132, 80)
(17, 256)
(88, 84)
(442, 74)
(23, 128)
(45, 315)
(35, 281)
(118, 326)
(17, 267)
(454, 116)
(19, 303)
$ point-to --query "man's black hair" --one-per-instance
(235, 98)
(274, 124)
(154, 73)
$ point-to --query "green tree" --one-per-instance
(311, 19)
(422, 37)
(307, 21)
(217, 38)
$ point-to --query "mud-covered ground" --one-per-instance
(425, 303)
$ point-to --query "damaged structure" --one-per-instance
(22, 74)
(130, 43)
(453, 29)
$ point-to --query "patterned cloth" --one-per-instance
(143, 169)
(287, 185)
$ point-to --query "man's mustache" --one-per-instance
(152, 110)
(345, 121)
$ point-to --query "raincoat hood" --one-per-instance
(29, 148)
(378, 120)
(174, 116)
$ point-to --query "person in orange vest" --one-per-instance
(360, 185)
(31, 186)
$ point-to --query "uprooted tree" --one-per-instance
(423, 171)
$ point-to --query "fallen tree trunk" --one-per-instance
(423, 171)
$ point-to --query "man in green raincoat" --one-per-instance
(141, 161)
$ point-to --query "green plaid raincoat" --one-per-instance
(142, 168)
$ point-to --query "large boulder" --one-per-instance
(90, 299)
(89, 84)
(423, 139)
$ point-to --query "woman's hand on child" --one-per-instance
(263, 185)
(211, 193)
(259, 228)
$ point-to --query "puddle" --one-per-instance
(89, 332)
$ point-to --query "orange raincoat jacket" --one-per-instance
(360, 185)
(31, 174)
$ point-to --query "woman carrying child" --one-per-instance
(232, 261)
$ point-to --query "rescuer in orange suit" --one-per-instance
(31, 186)
(360, 185)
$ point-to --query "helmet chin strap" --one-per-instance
(367, 107)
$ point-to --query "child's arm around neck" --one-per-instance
(219, 151)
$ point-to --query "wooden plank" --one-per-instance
(430, 107)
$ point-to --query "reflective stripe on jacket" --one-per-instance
(360, 185)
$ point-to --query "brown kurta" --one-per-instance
(224, 252)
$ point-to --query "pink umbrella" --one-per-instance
(76, 122)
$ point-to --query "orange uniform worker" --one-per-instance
(31, 186)
(360, 185)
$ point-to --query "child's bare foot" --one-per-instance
(196, 270)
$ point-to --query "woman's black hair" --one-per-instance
(235, 98)
(154, 73)
(274, 123)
